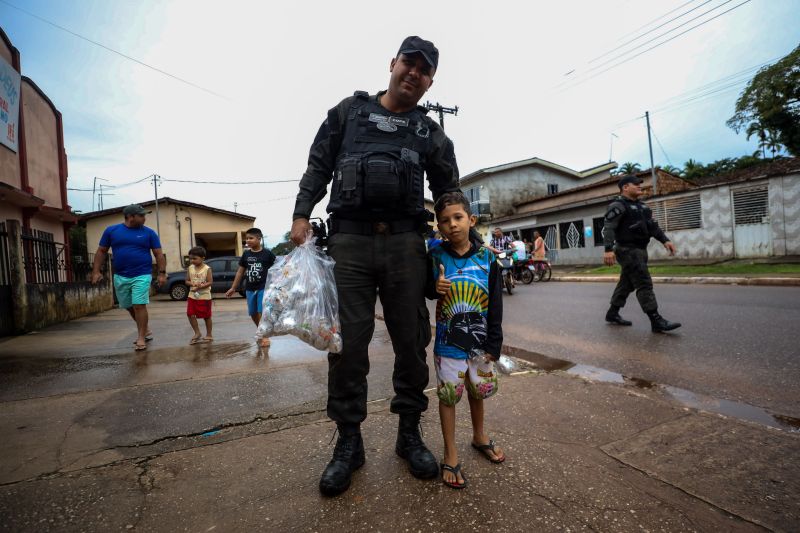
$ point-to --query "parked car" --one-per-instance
(223, 268)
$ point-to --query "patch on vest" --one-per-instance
(385, 123)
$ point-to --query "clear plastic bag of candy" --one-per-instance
(300, 299)
(504, 365)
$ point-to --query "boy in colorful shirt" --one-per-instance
(463, 276)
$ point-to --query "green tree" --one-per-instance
(675, 171)
(757, 128)
(629, 168)
(693, 169)
(772, 98)
(283, 248)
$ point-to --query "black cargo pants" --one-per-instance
(392, 266)
(635, 276)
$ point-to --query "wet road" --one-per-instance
(736, 343)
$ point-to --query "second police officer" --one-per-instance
(377, 149)
(627, 230)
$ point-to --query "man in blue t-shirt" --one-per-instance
(132, 243)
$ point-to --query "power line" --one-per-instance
(656, 20)
(657, 45)
(660, 146)
(113, 51)
(681, 25)
(623, 45)
(706, 89)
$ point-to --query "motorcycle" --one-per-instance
(524, 271)
(505, 262)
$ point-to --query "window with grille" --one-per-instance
(571, 234)
(751, 206)
(597, 226)
(681, 213)
(552, 188)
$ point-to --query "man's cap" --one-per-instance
(418, 45)
(134, 209)
(629, 179)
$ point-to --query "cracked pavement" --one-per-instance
(226, 438)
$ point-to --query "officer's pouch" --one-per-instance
(383, 181)
(348, 184)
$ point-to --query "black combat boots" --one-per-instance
(660, 324)
(612, 316)
(348, 456)
(410, 447)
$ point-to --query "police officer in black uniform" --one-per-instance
(627, 230)
(377, 149)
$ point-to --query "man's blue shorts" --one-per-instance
(132, 291)
(255, 300)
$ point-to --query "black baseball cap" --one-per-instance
(134, 209)
(418, 45)
(629, 179)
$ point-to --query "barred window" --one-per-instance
(571, 234)
(751, 206)
(597, 225)
(681, 213)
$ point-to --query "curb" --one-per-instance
(710, 280)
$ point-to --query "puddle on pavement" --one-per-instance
(739, 410)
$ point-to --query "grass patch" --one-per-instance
(723, 269)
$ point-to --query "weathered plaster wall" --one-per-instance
(55, 303)
(41, 141)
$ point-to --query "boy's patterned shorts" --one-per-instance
(452, 375)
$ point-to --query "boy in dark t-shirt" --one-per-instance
(253, 266)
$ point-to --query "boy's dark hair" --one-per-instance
(255, 232)
(197, 251)
(452, 198)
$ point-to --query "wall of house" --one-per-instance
(506, 188)
(784, 205)
(58, 302)
(41, 145)
(714, 240)
(9, 211)
(175, 237)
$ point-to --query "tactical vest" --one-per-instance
(634, 225)
(379, 169)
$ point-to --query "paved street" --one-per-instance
(226, 437)
(736, 343)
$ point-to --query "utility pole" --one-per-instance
(650, 144)
(156, 180)
(94, 187)
(102, 195)
(441, 110)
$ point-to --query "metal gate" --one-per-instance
(752, 234)
(6, 305)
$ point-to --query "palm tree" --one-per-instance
(629, 168)
(675, 171)
(755, 128)
(692, 168)
(771, 142)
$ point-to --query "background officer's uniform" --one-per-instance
(629, 224)
(377, 161)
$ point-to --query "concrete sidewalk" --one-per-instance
(235, 442)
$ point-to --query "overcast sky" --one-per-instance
(279, 66)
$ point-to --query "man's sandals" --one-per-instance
(456, 471)
(486, 448)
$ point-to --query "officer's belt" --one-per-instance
(368, 227)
